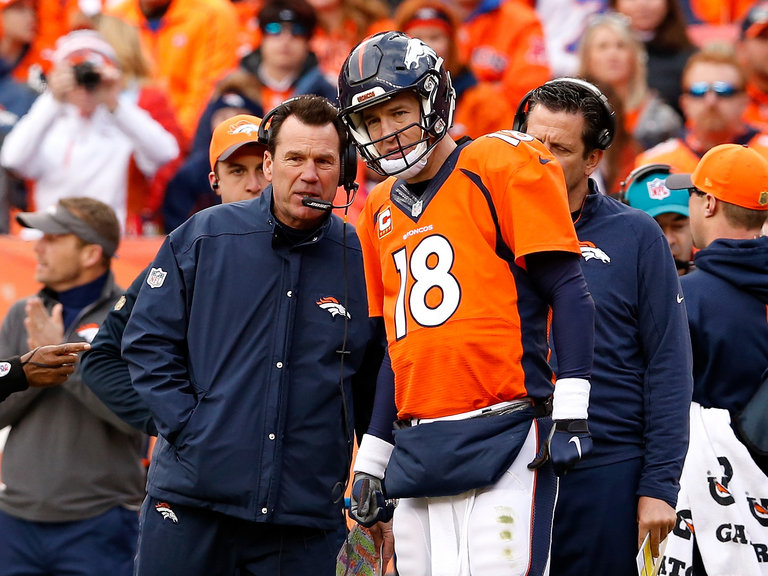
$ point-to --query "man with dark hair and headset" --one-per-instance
(251, 345)
(645, 189)
(641, 377)
(463, 262)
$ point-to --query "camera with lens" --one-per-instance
(87, 75)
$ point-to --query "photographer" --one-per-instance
(80, 135)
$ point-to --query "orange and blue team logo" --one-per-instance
(589, 251)
(165, 509)
(87, 331)
(759, 510)
(333, 306)
(384, 222)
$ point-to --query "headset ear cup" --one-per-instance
(263, 132)
(348, 171)
(521, 113)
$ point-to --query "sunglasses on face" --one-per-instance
(721, 89)
(696, 191)
(276, 28)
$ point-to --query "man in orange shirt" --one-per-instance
(503, 42)
(752, 51)
(713, 103)
(192, 43)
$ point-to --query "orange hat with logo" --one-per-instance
(232, 134)
(733, 173)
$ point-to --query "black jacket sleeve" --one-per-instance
(12, 377)
(106, 373)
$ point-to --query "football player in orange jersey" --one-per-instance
(466, 247)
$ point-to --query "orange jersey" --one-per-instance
(333, 47)
(465, 327)
(195, 45)
(683, 158)
(506, 45)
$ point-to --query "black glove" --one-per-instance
(368, 504)
(569, 441)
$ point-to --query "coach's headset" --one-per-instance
(608, 131)
(348, 168)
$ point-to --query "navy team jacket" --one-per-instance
(233, 344)
(727, 301)
(641, 375)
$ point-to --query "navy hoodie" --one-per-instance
(727, 302)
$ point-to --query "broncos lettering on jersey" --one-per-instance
(465, 326)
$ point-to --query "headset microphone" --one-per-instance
(326, 206)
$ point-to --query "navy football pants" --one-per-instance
(595, 525)
(175, 539)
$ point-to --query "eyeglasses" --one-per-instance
(276, 28)
(721, 89)
(694, 190)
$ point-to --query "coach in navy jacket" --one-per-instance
(239, 359)
(641, 374)
(261, 371)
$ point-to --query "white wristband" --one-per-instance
(373, 456)
(571, 399)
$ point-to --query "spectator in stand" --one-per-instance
(503, 42)
(282, 67)
(145, 195)
(18, 33)
(192, 44)
(190, 190)
(15, 100)
(564, 22)
(80, 135)
(436, 24)
(610, 55)
(713, 102)
(645, 189)
(342, 24)
(284, 64)
(752, 52)
(72, 469)
(660, 26)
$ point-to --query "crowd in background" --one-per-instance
(178, 67)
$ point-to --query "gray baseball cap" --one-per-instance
(58, 220)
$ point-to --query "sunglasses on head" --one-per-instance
(721, 89)
(276, 28)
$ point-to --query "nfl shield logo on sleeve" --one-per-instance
(5, 368)
(156, 277)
